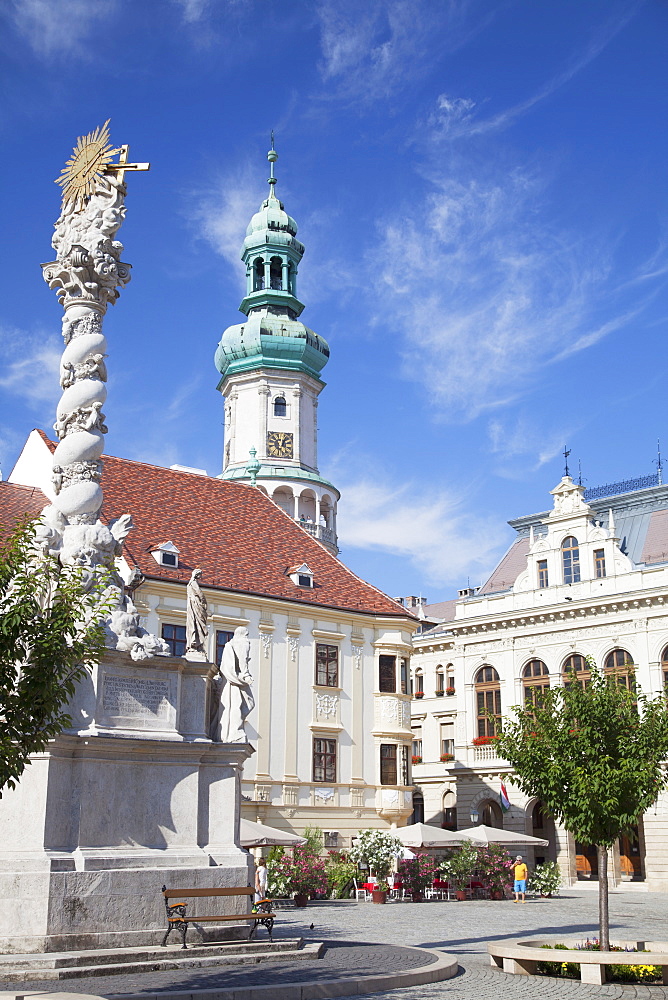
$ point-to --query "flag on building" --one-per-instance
(503, 796)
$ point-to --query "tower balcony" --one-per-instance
(319, 531)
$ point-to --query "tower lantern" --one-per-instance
(270, 368)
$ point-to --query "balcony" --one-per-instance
(319, 531)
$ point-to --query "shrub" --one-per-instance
(340, 873)
(460, 866)
(379, 849)
(303, 873)
(546, 878)
(417, 873)
(495, 867)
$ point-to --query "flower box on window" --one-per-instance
(417, 759)
(482, 741)
(419, 694)
(445, 757)
(450, 690)
(439, 694)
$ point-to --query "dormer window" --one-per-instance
(302, 576)
(280, 407)
(167, 555)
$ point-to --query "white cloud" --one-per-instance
(193, 10)
(485, 291)
(222, 211)
(58, 28)
(30, 365)
(435, 531)
(371, 50)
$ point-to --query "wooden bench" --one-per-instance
(179, 918)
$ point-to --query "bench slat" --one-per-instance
(191, 893)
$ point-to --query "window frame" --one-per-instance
(276, 402)
(174, 641)
(391, 764)
(487, 696)
(326, 674)
(384, 673)
(570, 560)
(599, 564)
(535, 681)
(219, 646)
(324, 758)
(543, 574)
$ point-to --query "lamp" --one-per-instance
(475, 817)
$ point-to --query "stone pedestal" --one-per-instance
(132, 796)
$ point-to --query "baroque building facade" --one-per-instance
(587, 578)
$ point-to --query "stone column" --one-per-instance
(285, 280)
(297, 396)
(263, 391)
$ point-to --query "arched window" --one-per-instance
(449, 811)
(576, 669)
(280, 407)
(620, 663)
(488, 700)
(276, 273)
(419, 683)
(490, 814)
(535, 680)
(664, 667)
(258, 274)
(440, 679)
(570, 558)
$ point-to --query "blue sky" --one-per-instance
(481, 189)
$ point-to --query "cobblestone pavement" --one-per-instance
(462, 929)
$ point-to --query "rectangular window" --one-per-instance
(448, 737)
(419, 683)
(405, 770)
(440, 681)
(403, 670)
(387, 673)
(599, 563)
(221, 639)
(417, 741)
(326, 665)
(324, 759)
(331, 838)
(542, 574)
(175, 637)
(388, 763)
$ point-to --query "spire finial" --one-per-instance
(566, 452)
(659, 464)
(272, 156)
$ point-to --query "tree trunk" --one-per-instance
(603, 918)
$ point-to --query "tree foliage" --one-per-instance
(593, 754)
(50, 631)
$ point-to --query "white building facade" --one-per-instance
(587, 578)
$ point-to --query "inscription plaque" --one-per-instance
(136, 697)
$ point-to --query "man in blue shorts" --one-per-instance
(520, 875)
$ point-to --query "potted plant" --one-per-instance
(459, 867)
(379, 850)
(418, 694)
(417, 874)
(439, 692)
(298, 875)
(445, 757)
(416, 759)
(546, 879)
(450, 689)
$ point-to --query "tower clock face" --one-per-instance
(279, 444)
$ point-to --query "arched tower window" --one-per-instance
(276, 273)
(258, 274)
(488, 700)
(570, 559)
(620, 663)
(535, 680)
(664, 667)
(280, 407)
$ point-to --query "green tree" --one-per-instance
(50, 631)
(593, 755)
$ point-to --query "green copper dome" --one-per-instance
(271, 342)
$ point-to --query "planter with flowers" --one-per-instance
(439, 692)
(446, 757)
(418, 694)
(299, 875)
(416, 759)
(483, 741)
(379, 850)
(417, 874)
(450, 690)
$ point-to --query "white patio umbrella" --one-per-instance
(421, 835)
(505, 838)
(258, 835)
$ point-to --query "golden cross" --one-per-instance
(123, 165)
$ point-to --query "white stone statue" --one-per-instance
(196, 625)
(231, 696)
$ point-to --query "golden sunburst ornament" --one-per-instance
(90, 159)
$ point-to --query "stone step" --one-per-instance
(73, 965)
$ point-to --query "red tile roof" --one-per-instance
(240, 538)
(16, 502)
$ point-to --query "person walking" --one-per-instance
(520, 876)
(261, 880)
